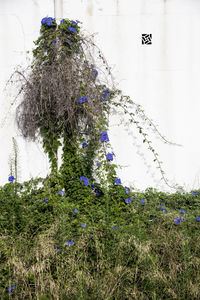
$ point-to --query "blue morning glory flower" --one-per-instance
(109, 156)
(11, 288)
(83, 226)
(127, 190)
(58, 249)
(162, 205)
(44, 21)
(128, 200)
(142, 201)
(61, 193)
(98, 164)
(95, 73)
(104, 136)
(69, 243)
(72, 29)
(75, 210)
(198, 218)
(177, 220)
(82, 99)
(115, 227)
(11, 178)
(194, 193)
(183, 211)
(84, 144)
(73, 22)
(92, 186)
(49, 22)
(63, 20)
(105, 94)
(97, 192)
(46, 200)
(164, 210)
(118, 181)
(85, 180)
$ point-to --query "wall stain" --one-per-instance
(35, 2)
(118, 9)
(90, 9)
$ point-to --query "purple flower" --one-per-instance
(194, 193)
(97, 192)
(98, 164)
(118, 181)
(183, 211)
(85, 180)
(11, 178)
(69, 243)
(127, 190)
(46, 200)
(84, 144)
(143, 201)
(44, 21)
(75, 22)
(11, 288)
(83, 226)
(72, 29)
(128, 200)
(105, 94)
(58, 249)
(177, 220)
(115, 227)
(162, 205)
(75, 210)
(95, 73)
(198, 218)
(104, 136)
(61, 193)
(164, 210)
(48, 21)
(63, 20)
(92, 186)
(109, 156)
(82, 99)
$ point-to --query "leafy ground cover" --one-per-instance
(145, 245)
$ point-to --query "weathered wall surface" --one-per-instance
(162, 77)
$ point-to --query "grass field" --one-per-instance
(52, 248)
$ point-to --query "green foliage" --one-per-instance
(147, 257)
(14, 160)
(73, 235)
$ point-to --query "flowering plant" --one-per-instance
(65, 103)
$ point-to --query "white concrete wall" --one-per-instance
(162, 77)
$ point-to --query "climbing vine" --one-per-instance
(68, 94)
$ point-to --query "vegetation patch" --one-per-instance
(79, 233)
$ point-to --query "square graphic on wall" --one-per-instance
(146, 39)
